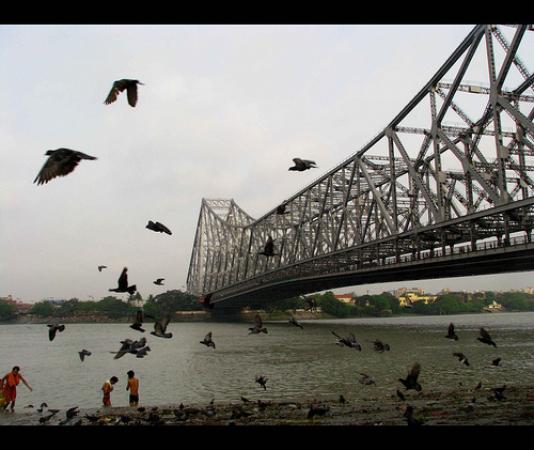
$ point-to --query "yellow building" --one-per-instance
(409, 298)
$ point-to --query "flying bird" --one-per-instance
(84, 353)
(379, 346)
(121, 85)
(302, 164)
(496, 361)
(60, 162)
(450, 333)
(262, 381)
(461, 357)
(160, 327)
(159, 281)
(142, 352)
(499, 392)
(129, 346)
(208, 342)
(366, 379)
(139, 318)
(53, 329)
(123, 283)
(350, 341)
(102, 267)
(268, 250)
(158, 227)
(258, 327)
(293, 321)
(486, 338)
(411, 380)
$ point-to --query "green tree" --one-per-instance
(113, 307)
(331, 305)
(7, 311)
(42, 309)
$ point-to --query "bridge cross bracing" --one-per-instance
(443, 189)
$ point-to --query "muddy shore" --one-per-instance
(460, 407)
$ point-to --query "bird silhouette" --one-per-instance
(129, 346)
(450, 333)
(142, 352)
(350, 341)
(262, 381)
(84, 353)
(478, 386)
(160, 327)
(121, 85)
(71, 412)
(208, 342)
(60, 162)
(408, 415)
(411, 380)
(293, 321)
(139, 319)
(123, 284)
(102, 267)
(400, 395)
(158, 227)
(268, 250)
(461, 357)
(311, 304)
(42, 407)
(302, 164)
(499, 393)
(159, 281)
(485, 337)
(317, 411)
(342, 399)
(496, 361)
(366, 379)
(281, 209)
(258, 327)
(379, 346)
(53, 329)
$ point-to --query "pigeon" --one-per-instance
(366, 379)
(139, 318)
(160, 327)
(486, 338)
(84, 353)
(92, 418)
(41, 407)
(478, 386)
(121, 85)
(258, 327)
(268, 250)
(142, 352)
(499, 393)
(496, 361)
(342, 399)
(60, 162)
(53, 329)
(379, 346)
(261, 380)
(350, 342)
(412, 421)
(281, 209)
(400, 395)
(129, 346)
(102, 267)
(71, 412)
(158, 227)
(411, 380)
(302, 164)
(245, 400)
(461, 357)
(208, 342)
(159, 281)
(450, 333)
(123, 284)
(317, 411)
(293, 321)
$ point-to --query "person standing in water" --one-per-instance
(9, 387)
(133, 387)
(106, 389)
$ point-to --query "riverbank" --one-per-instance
(459, 407)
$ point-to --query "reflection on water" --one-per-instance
(299, 363)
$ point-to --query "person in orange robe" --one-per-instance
(9, 383)
(133, 387)
(107, 388)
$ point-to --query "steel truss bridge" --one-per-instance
(445, 189)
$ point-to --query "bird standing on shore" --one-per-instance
(208, 341)
(303, 164)
(60, 162)
(411, 380)
(53, 329)
(123, 284)
(450, 332)
(485, 337)
(121, 85)
(158, 227)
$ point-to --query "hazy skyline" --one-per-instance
(223, 111)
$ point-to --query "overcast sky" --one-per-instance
(223, 112)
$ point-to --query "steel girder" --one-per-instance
(412, 189)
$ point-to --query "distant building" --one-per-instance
(19, 305)
(494, 307)
(409, 298)
(345, 298)
(401, 291)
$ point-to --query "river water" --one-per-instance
(299, 364)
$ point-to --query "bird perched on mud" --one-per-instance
(208, 341)
(485, 337)
(262, 381)
(159, 281)
(102, 267)
(158, 227)
(53, 329)
(366, 379)
(121, 85)
(138, 323)
(350, 341)
(42, 407)
(268, 250)
(411, 380)
(496, 361)
(258, 326)
(450, 332)
(293, 321)
(123, 284)
(84, 353)
(408, 415)
(379, 346)
(302, 164)
(160, 327)
(60, 162)
(461, 357)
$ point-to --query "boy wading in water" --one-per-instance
(107, 388)
(9, 386)
(133, 387)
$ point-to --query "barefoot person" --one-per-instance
(10, 382)
(106, 389)
(133, 387)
